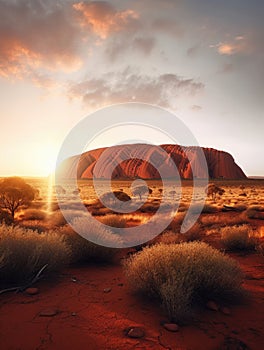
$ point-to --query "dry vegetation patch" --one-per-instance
(181, 275)
(23, 252)
(238, 237)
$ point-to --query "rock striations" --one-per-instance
(134, 161)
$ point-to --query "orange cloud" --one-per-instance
(237, 45)
(102, 17)
(20, 61)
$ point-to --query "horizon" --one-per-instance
(61, 61)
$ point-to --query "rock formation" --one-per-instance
(134, 161)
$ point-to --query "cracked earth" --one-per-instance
(93, 306)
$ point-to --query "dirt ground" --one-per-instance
(94, 306)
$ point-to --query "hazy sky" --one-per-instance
(61, 60)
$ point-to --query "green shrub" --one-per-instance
(238, 237)
(24, 252)
(181, 275)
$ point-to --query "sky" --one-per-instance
(61, 60)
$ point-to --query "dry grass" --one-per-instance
(84, 250)
(96, 232)
(223, 220)
(118, 221)
(255, 212)
(238, 238)
(181, 275)
(33, 214)
(23, 252)
(170, 237)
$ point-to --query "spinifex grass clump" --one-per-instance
(238, 237)
(182, 275)
(84, 250)
(24, 252)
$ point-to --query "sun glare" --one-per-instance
(44, 161)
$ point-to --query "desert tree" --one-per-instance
(15, 193)
(141, 190)
(212, 190)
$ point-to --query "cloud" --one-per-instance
(168, 26)
(38, 38)
(103, 19)
(128, 85)
(116, 47)
(37, 35)
(232, 47)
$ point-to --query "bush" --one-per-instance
(207, 208)
(24, 252)
(181, 275)
(84, 250)
(96, 232)
(114, 220)
(255, 212)
(34, 214)
(170, 237)
(238, 237)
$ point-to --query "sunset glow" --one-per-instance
(62, 60)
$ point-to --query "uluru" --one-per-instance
(134, 161)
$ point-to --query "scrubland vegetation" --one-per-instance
(180, 275)
(180, 270)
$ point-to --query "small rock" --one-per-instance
(32, 291)
(225, 310)
(171, 327)
(211, 305)
(107, 290)
(135, 332)
(48, 313)
(73, 314)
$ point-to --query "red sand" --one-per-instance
(90, 319)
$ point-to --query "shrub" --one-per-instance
(34, 214)
(96, 232)
(114, 220)
(84, 250)
(238, 237)
(170, 237)
(255, 212)
(207, 208)
(222, 220)
(181, 275)
(24, 252)
(194, 233)
(57, 219)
